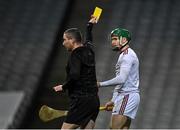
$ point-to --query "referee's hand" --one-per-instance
(58, 88)
(93, 20)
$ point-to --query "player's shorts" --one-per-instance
(82, 110)
(126, 104)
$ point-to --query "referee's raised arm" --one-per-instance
(89, 37)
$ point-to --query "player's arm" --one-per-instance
(110, 104)
(124, 72)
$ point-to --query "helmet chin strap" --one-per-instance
(117, 48)
(122, 44)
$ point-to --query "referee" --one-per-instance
(81, 82)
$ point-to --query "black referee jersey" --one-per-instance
(81, 74)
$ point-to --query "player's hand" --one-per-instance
(58, 88)
(109, 106)
(93, 20)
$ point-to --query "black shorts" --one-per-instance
(82, 110)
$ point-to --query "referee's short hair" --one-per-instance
(74, 33)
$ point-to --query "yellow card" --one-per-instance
(97, 12)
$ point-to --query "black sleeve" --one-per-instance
(89, 38)
(74, 73)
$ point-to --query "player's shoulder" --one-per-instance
(128, 52)
(132, 55)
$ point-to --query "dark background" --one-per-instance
(33, 60)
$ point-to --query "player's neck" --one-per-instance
(124, 48)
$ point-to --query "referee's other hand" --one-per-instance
(58, 88)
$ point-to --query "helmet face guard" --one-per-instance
(120, 33)
(114, 48)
